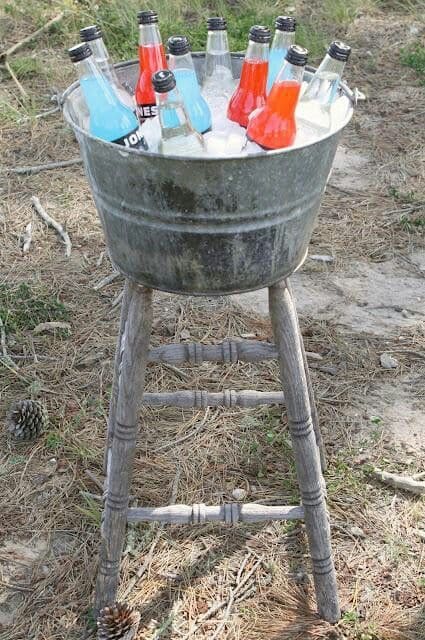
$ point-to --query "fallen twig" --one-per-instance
(233, 596)
(52, 223)
(10, 71)
(21, 43)
(188, 436)
(51, 326)
(406, 483)
(7, 360)
(118, 299)
(105, 281)
(44, 167)
(26, 238)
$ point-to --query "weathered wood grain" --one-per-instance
(136, 337)
(314, 414)
(227, 351)
(288, 342)
(201, 399)
(230, 513)
(115, 376)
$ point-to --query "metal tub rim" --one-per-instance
(195, 159)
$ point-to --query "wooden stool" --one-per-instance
(132, 356)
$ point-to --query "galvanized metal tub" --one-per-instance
(205, 226)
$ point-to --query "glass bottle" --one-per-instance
(181, 64)
(218, 79)
(273, 126)
(284, 36)
(177, 134)
(109, 118)
(93, 35)
(152, 59)
(315, 107)
(251, 91)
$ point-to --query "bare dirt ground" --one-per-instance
(369, 300)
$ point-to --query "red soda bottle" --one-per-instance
(273, 126)
(251, 91)
(152, 59)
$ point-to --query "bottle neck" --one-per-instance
(324, 84)
(217, 42)
(283, 39)
(101, 56)
(291, 72)
(257, 51)
(149, 34)
(331, 65)
(180, 62)
(88, 71)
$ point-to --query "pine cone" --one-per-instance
(118, 622)
(27, 419)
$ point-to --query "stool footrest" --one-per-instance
(227, 351)
(229, 513)
(228, 398)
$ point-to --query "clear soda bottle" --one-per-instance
(218, 78)
(181, 64)
(315, 107)
(178, 138)
(93, 35)
(109, 118)
(284, 36)
(273, 126)
(152, 59)
(250, 94)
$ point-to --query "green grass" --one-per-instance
(23, 307)
(414, 57)
(27, 67)
(119, 21)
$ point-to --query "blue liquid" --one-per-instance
(276, 60)
(109, 118)
(197, 109)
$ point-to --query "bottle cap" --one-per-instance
(339, 51)
(178, 45)
(90, 33)
(297, 55)
(163, 81)
(285, 23)
(260, 34)
(147, 17)
(217, 24)
(80, 52)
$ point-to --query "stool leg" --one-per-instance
(136, 337)
(314, 414)
(117, 364)
(288, 342)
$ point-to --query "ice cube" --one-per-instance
(151, 130)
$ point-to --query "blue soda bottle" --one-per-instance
(181, 64)
(284, 36)
(109, 118)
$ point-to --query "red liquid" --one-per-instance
(152, 59)
(251, 92)
(273, 126)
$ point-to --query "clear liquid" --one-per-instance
(276, 60)
(196, 107)
(323, 87)
(109, 118)
(218, 75)
(177, 135)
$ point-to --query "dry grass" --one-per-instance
(50, 533)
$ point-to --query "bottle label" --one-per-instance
(133, 140)
(147, 111)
